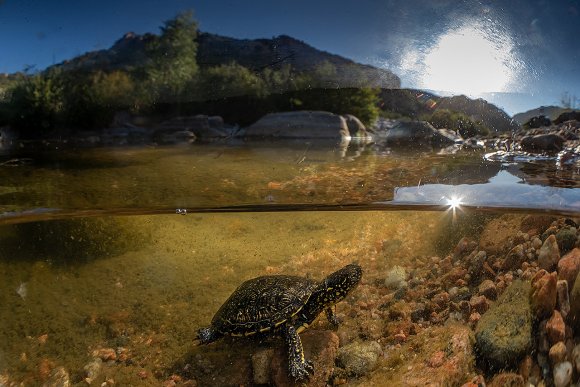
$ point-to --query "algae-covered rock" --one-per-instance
(359, 358)
(504, 334)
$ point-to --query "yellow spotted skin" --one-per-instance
(281, 305)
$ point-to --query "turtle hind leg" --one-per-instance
(207, 335)
(298, 367)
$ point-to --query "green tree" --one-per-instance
(459, 122)
(230, 80)
(173, 57)
(37, 103)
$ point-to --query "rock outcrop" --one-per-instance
(299, 124)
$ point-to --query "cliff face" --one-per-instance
(255, 54)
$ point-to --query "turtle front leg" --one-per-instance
(331, 316)
(298, 367)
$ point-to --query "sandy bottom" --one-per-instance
(143, 285)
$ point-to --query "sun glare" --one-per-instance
(469, 60)
(454, 202)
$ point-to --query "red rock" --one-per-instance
(507, 379)
(320, 347)
(556, 328)
(105, 354)
(569, 266)
(479, 304)
(543, 295)
(436, 360)
(464, 247)
(474, 318)
(488, 289)
(525, 368)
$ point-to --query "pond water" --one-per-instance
(112, 258)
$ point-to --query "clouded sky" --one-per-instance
(527, 49)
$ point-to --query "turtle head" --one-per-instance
(336, 286)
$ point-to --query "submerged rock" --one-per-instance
(544, 293)
(504, 334)
(396, 278)
(549, 254)
(359, 358)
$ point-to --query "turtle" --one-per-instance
(281, 305)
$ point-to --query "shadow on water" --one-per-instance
(69, 241)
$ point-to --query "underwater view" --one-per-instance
(128, 252)
(323, 193)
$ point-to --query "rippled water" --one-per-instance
(79, 276)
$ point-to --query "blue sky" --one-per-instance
(518, 54)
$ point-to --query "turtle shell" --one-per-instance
(261, 304)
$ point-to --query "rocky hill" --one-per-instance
(255, 54)
(552, 112)
(417, 104)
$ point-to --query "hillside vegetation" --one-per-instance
(184, 72)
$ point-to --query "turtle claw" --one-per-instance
(302, 371)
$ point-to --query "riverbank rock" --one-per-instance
(299, 124)
(201, 125)
(418, 133)
(542, 142)
(504, 334)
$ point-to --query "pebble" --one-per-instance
(93, 369)
(569, 266)
(487, 288)
(549, 254)
(555, 328)
(557, 353)
(436, 360)
(59, 377)
(566, 238)
(576, 357)
(563, 298)
(479, 304)
(396, 278)
(359, 358)
(562, 374)
(537, 243)
(543, 296)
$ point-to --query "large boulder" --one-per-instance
(201, 125)
(417, 133)
(504, 334)
(299, 124)
(542, 142)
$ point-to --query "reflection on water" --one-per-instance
(502, 190)
(212, 176)
(88, 295)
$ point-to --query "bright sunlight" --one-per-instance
(470, 60)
